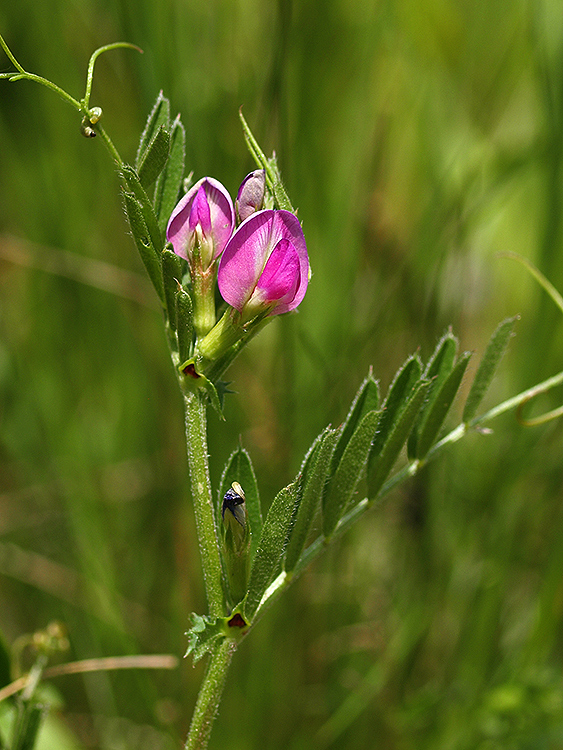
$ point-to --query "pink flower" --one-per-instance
(202, 222)
(265, 266)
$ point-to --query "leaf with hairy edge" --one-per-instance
(270, 549)
(239, 469)
(134, 187)
(155, 157)
(159, 116)
(169, 183)
(141, 235)
(488, 365)
(171, 275)
(398, 395)
(382, 464)
(437, 370)
(441, 405)
(203, 635)
(347, 475)
(311, 491)
(365, 400)
(273, 177)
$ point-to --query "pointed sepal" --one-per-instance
(270, 166)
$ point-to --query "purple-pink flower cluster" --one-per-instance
(263, 264)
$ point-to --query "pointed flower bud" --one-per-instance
(236, 541)
(250, 196)
(265, 266)
(202, 222)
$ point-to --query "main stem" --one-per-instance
(209, 696)
(196, 437)
(213, 683)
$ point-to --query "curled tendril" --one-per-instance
(90, 116)
(558, 300)
(90, 75)
(548, 416)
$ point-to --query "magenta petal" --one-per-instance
(289, 226)
(181, 229)
(248, 251)
(280, 279)
(244, 258)
(200, 212)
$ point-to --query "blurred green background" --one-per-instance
(418, 139)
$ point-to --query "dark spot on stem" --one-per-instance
(237, 621)
(191, 371)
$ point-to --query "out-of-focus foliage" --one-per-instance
(417, 140)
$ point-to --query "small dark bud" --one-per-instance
(86, 128)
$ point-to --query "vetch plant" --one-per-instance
(193, 240)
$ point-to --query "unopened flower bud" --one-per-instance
(236, 541)
(250, 197)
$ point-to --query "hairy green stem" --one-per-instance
(196, 437)
(209, 695)
(109, 144)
